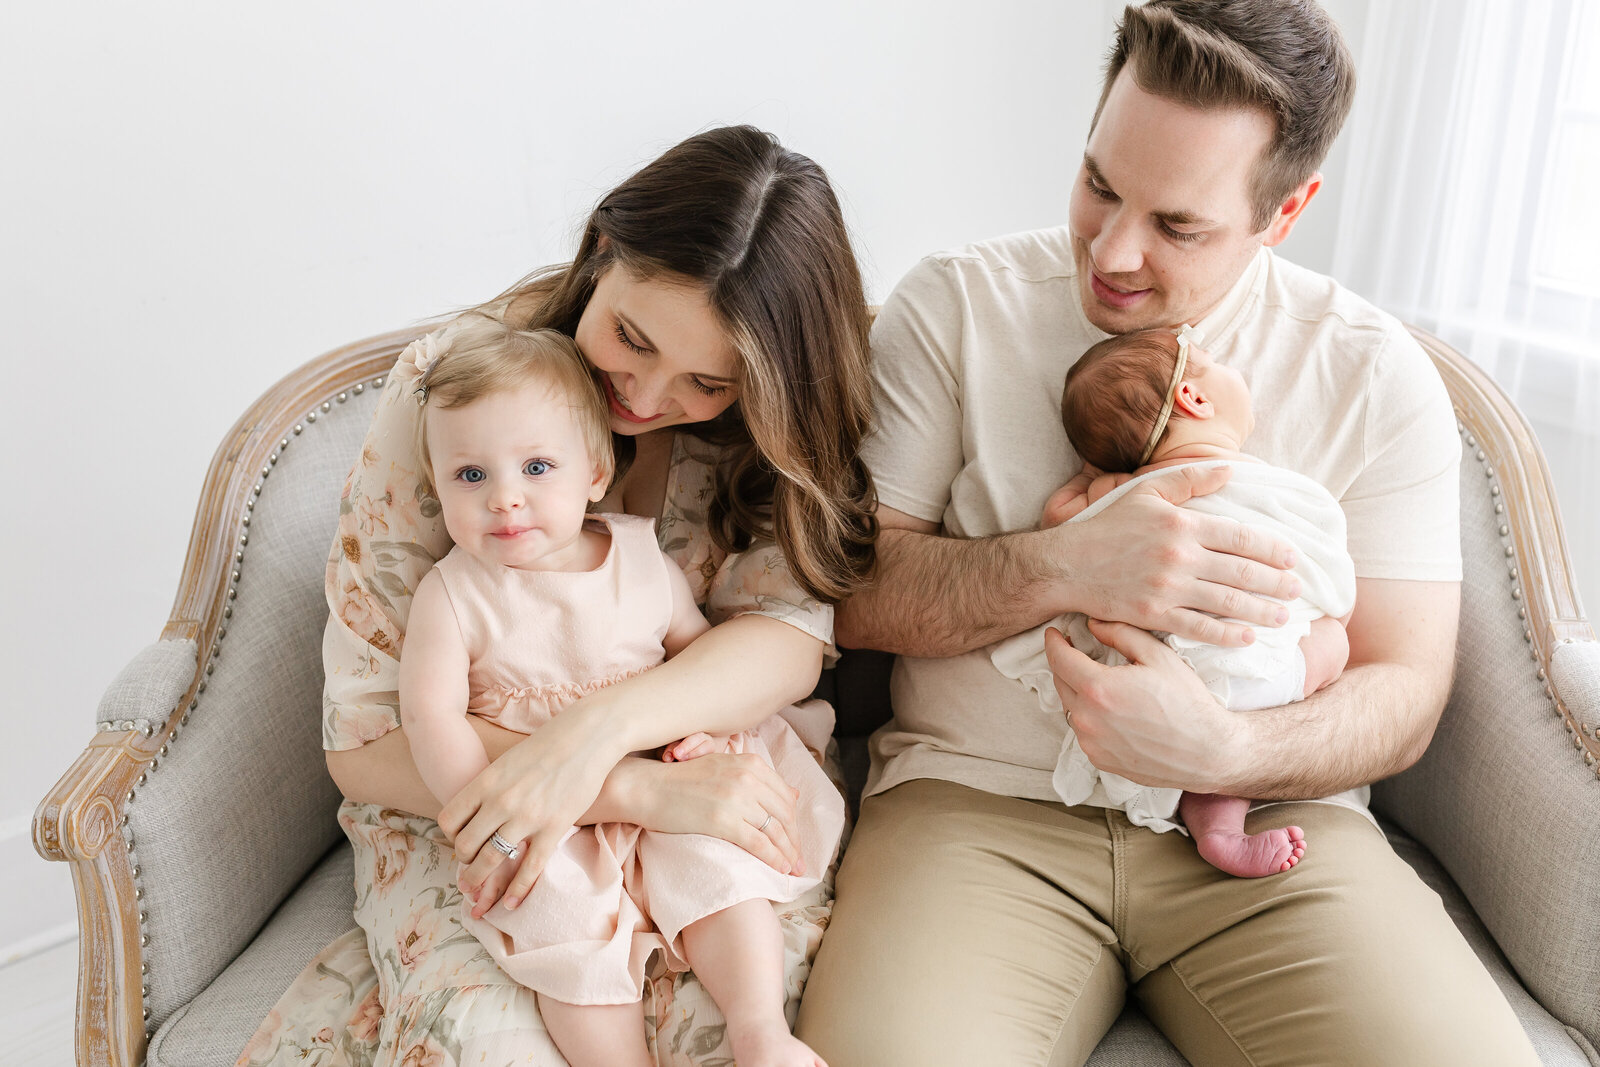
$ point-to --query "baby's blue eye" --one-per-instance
(471, 475)
(535, 467)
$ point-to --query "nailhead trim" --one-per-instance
(149, 726)
(1557, 707)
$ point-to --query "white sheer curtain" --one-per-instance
(1469, 208)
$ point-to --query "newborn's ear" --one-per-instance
(1192, 402)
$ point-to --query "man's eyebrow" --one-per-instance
(1171, 218)
(1183, 218)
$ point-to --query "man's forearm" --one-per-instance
(942, 596)
(1374, 722)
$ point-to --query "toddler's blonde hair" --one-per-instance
(483, 356)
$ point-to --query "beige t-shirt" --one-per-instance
(970, 355)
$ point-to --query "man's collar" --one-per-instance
(1219, 326)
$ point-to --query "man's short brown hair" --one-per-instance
(1285, 57)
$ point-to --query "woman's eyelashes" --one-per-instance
(708, 389)
(622, 335)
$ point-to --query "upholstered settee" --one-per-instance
(199, 825)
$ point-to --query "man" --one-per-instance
(979, 921)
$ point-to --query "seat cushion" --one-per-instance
(211, 1029)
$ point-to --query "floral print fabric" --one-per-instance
(428, 994)
(410, 987)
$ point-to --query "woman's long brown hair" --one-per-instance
(758, 229)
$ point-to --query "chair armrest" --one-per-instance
(1575, 682)
(176, 871)
(1507, 796)
(147, 691)
(82, 821)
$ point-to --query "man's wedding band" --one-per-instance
(504, 847)
(763, 827)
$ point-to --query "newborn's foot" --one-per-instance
(771, 1046)
(1253, 855)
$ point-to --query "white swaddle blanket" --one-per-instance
(1268, 673)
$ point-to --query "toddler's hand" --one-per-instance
(494, 886)
(693, 747)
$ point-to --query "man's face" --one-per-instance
(1160, 218)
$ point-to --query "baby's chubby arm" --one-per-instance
(434, 694)
(687, 624)
(1326, 650)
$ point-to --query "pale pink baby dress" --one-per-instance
(612, 893)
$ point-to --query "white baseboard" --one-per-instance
(37, 907)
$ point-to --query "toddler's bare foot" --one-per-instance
(1253, 855)
(771, 1046)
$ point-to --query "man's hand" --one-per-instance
(1151, 720)
(1147, 561)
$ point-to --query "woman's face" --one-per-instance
(663, 358)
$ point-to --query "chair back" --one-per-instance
(259, 814)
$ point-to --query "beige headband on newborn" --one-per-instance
(1187, 335)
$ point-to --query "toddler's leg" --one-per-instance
(738, 955)
(1217, 824)
(597, 1034)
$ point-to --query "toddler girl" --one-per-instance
(539, 603)
(1147, 401)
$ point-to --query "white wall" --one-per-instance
(199, 198)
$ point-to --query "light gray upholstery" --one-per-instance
(148, 689)
(1501, 797)
(211, 1030)
(245, 874)
(241, 808)
(1575, 670)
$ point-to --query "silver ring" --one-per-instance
(502, 846)
(763, 827)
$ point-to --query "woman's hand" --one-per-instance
(486, 895)
(538, 790)
(735, 796)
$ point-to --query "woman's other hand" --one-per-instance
(735, 796)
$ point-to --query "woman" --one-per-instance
(716, 296)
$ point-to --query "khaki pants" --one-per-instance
(979, 929)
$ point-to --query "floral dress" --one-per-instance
(409, 986)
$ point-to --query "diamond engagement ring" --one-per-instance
(504, 847)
